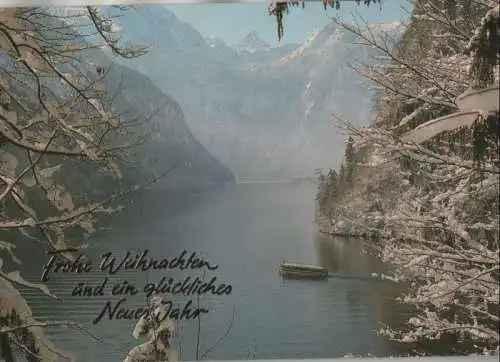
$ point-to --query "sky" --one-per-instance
(231, 22)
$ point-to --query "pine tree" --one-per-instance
(332, 190)
(349, 157)
(342, 177)
(332, 182)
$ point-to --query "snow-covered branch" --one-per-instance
(434, 205)
(158, 330)
(60, 136)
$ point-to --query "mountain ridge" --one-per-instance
(267, 113)
(252, 42)
(136, 96)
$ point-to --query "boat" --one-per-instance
(302, 271)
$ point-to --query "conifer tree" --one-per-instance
(349, 157)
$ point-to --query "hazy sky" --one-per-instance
(231, 22)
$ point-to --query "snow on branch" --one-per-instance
(158, 330)
(19, 325)
(60, 136)
(485, 48)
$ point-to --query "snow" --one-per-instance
(11, 301)
(484, 99)
(416, 113)
(472, 103)
(158, 330)
(252, 43)
(491, 15)
(303, 47)
(436, 126)
(213, 41)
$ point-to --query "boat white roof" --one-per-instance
(303, 266)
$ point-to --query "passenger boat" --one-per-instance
(302, 271)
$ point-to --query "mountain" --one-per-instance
(252, 43)
(137, 99)
(175, 145)
(263, 111)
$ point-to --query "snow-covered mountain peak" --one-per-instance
(252, 43)
(330, 39)
(237, 120)
(214, 42)
(299, 51)
(395, 26)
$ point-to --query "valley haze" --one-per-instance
(263, 111)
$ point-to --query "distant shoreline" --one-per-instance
(292, 181)
(351, 235)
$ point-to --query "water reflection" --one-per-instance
(348, 255)
(354, 259)
(249, 230)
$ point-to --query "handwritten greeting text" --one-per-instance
(112, 264)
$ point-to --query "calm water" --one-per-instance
(248, 230)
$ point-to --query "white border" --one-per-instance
(68, 3)
(390, 359)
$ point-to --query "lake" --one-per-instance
(248, 230)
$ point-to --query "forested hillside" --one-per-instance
(433, 203)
